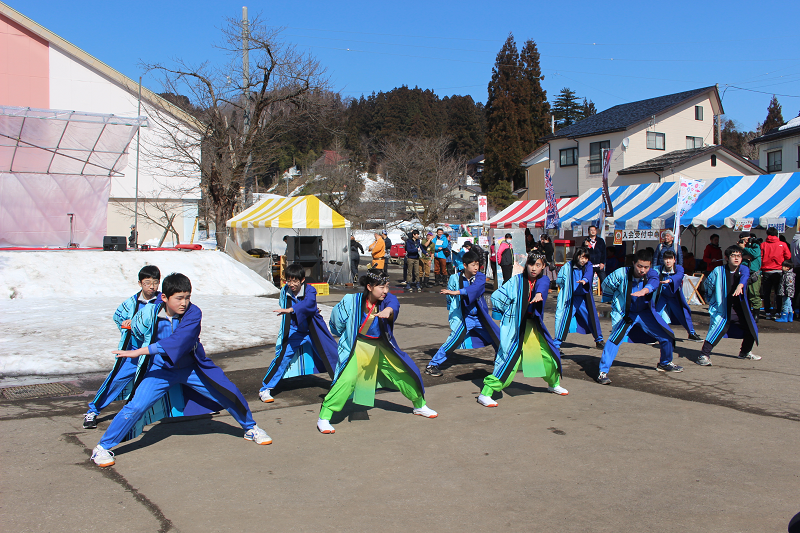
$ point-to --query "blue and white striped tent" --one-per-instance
(726, 200)
(722, 203)
(645, 206)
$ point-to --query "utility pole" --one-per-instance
(248, 185)
(719, 121)
(136, 201)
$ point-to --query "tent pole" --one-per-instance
(136, 201)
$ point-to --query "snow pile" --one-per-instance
(69, 336)
(795, 122)
(375, 190)
(93, 274)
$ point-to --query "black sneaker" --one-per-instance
(703, 360)
(669, 367)
(89, 421)
(600, 345)
(695, 337)
(602, 378)
(433, 370)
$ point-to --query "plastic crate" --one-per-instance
(323, 289)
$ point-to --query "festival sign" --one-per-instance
(777, 223)
(483, 209)
(639, 234)
(617, 237)
(743, 224)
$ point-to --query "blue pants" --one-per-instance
(675, 309)
(111, 388)
(470, 327)
(154, 385)
(648, 325)
(298, 345)
(581, 315)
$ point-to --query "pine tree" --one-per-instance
(503, 151)
(566, 108)
(534, 109)
(774, 116)
(587, 109)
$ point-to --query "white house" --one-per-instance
(654, 140)
(779, 149)
(39, 69)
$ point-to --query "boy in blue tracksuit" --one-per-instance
(305, 345)
(115, 387)
(633, 319)
(471, 326)
(174, 378)
(669, 300)
(576, 310)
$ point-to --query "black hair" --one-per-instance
(545, 236)
(753, 236)
(684, 249)
(772, 231)
(580, 251)
(713, 235)
(535, 256)
(669, 254)
(295, 271)
(439, 229)
(787, 264)
(733, 249)
(470, 257)
(644, 254)
(592, 226)
(285, 237)
(508, 236)
(149, 272)
(374, 277)
(467, 244)
(175, 283)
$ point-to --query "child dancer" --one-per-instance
(115, 387)
(576, 310)
(524, 339)
(633, 318)
(726, 295)
(786, 291)
(175, 377)
(369, 356)
(305, 345)
(471, 326)
(669, 300)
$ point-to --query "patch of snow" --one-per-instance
(795, 122)
(86, 275)
(69, 336)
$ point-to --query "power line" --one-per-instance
(764, 92)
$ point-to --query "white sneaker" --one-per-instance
(324, 426)
(425, 411)
(102, 457)
(750, 355)
(265, 396)
(486, 401)
(257, 435)
(558, 389)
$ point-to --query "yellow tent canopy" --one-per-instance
(298, 212)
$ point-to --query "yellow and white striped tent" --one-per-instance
(298, 212)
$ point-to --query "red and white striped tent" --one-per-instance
(526, 214)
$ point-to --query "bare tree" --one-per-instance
(337, 180)
(243, 116)
(157, 211)
(424, 174)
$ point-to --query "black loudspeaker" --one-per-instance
(306, 251)
(115, 244)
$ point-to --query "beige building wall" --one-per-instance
(699, 169)
(534, 181)
(790, 153)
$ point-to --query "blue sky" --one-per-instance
(610, 53)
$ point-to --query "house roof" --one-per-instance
(790, 129)
(623, 116)
(91, 61)
(679, 157)
(475, 160)
(539, 151)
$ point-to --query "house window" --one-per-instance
(698, 112)
(569, 157)
(713, 160)
(774, 161)
(655, 141)
(694, 142)
(596, 156)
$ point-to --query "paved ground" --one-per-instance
(710, 449)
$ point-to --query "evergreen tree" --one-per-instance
(503, 151)
(534, 109)
(566, 108)
(774, 116)
(587, 109)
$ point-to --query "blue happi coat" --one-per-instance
(324, 350)
(719, 304)
(672, 291)
(458, 307)
(125, 311)
(345, 321)
(617, 290)
(512, 301)
(565, 321)
(182, 348)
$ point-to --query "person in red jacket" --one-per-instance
(773, 253)
(712, 256)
